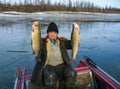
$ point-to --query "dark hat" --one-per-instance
(52, 27)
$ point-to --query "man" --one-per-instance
(54, 64)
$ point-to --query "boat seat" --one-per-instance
(84, 78)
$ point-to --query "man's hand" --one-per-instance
(72, 60)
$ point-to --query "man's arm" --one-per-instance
(66, 42)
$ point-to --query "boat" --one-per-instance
(89, 76)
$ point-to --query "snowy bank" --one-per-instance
(13, 16)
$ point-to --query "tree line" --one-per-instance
(47, 5)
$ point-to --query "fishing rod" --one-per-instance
(93, 64)
(17, 51)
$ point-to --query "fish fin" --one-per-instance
(72, 32)
(78, 45)
(32, 30)
(31, 41)
(37, 58)
(71, 37)
(33, 52)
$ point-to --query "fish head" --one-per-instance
(35, 25)
(75, 26)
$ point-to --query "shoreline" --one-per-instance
(13, 16)
(67, 12)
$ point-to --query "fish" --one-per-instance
(75, 40)
(36, 38)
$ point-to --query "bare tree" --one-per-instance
(70, 4)
(36, 2)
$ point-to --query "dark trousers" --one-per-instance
(60, 72)
(50, 75)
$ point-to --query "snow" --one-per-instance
(58, 16)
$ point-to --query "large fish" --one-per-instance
(75, 40)
(36, 38)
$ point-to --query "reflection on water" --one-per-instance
(99, 40)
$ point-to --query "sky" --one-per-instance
(103, 3)
(113, 3)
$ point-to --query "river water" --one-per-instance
(99, 40)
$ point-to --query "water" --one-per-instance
(99, 41)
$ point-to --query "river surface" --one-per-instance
(99, 40)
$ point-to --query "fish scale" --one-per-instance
(75, 38)
(35, 42)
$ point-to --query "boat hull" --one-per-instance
(89, 76)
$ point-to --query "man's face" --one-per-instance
(52, 35)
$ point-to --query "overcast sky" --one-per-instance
(113, 3)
